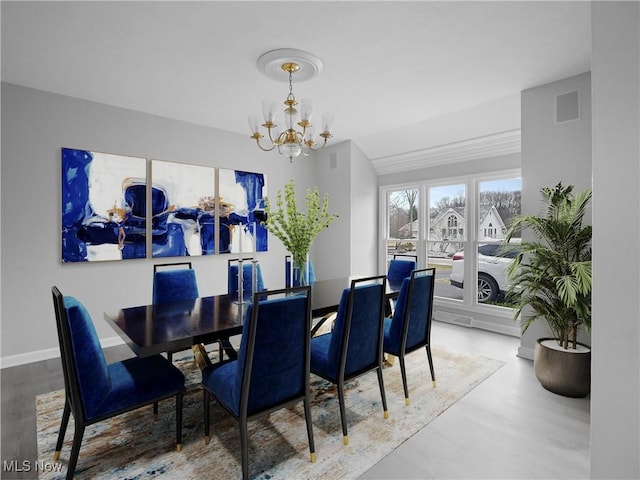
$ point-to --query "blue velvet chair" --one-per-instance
(95, 390)
(354, 346)
(171, 284)
(397, 271)
(174, 282)
(272, 368)
(410, 327)
(296, 273)
(247, 277)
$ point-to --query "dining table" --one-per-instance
(169, 327)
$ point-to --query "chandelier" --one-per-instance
(297, 135)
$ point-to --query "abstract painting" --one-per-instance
(103, 206)
(183, 209)
(241, 211)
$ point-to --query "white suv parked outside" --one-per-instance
(493, 261)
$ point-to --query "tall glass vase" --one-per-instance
(301, 272)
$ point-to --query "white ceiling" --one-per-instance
(399, 76)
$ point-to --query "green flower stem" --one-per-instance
(296, 229)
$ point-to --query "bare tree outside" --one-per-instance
(403, 212)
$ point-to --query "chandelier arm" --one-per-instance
(265, 149)
(275, 142)
(324, 144)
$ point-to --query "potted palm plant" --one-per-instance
(551, 280)
(298, 229)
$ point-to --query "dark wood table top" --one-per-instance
(170, 327)
(151, 329)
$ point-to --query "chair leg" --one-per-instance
(179, 398)
(75, 449)
(155, 410)
(403, 370)
(307, 417)
(244, 448)
(228, 348)
(388, 308)
(433, 375)
(170, 356)
(382, 394)
(66, 413)
(343, 412)
(206, 410)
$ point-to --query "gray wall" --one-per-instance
(349, 245)
(551, 153)
(615, 370)
(364, 214)
(332, 173)
(35, 125)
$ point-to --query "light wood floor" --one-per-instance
(506, 428)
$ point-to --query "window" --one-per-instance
(499, 201)
(438, 234)
(447, 215)
(402, 221)
(459, 228)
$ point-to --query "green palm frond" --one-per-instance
(553, 275)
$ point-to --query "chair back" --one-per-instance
(86, 375)
(288, 270)
(274, 355)
(356, 340)
(247, 276)
(174, 282)
(398, 269)
(411, 323)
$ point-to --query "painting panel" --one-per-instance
(241, 211)
(103, 206)
(183, 209)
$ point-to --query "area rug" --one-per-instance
(134, 446)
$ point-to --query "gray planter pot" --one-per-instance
(565, 372)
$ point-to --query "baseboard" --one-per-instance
(48, 353)
(471, 322)
(525, 352)
(511, 330)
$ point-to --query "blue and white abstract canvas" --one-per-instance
(241, 211)
(183, 209)
(103, 206)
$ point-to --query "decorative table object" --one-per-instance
(298, 229)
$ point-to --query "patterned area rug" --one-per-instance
(134, 446)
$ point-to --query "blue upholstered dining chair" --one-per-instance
(247, 276)
(174, 282)
(397, 271)
(288, 269)
(95, 390)
(410, 327)
(272, 368)
(354, 346)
